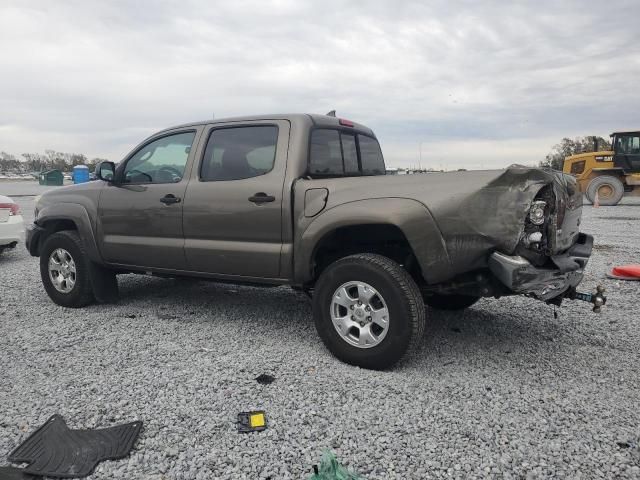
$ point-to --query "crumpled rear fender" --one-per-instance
(492, 217)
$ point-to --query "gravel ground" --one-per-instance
(25, 187)
(503, 390)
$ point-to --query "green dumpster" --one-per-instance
(51, 177)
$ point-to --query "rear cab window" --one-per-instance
(339, 153)
(371, 155)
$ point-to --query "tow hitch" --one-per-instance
(597, 298)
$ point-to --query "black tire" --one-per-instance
(586, 194)
(81, 294)
(407, 315)
(450, 302)
(605, 183)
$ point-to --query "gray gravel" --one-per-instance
(503, 390)
(22, 188)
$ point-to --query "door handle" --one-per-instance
(170, 198)
(261, 197)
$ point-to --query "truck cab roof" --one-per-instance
(313, 119)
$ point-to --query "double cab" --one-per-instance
(303, 200)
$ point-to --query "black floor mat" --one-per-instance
(56, 451)
(13, 473)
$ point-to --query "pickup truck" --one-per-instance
(303, 200)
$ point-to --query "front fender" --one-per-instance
(75, 213)
(410, 216)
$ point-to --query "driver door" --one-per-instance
(140, 216)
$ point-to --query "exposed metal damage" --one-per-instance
(523, 225)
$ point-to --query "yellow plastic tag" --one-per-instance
(256, 420)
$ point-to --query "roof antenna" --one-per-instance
(332, 113)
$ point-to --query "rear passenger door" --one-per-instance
(233, 204)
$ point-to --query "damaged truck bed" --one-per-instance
(490, 233)
(303, 200)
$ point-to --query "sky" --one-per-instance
(444, 84)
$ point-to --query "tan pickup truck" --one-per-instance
(303, 200)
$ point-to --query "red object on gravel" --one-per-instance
(625, 272)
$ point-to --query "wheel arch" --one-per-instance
(67, 216)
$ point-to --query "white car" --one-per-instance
(11, 223)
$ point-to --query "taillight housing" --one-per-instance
(14, 209)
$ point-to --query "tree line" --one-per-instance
(38, 162)
(568, 146)
(51, 159)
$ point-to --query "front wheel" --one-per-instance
(368, 310)
(64, 269)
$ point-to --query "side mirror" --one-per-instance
(106, 171)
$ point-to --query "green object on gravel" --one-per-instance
(330, 469)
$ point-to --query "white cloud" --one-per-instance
(479, 83)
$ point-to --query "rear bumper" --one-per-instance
(11, 231)
(32, 239)
(520, 276)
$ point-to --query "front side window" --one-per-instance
(160, 161)
(239, 152)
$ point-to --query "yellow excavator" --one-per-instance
(608, 174)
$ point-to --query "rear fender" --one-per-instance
(410, 216)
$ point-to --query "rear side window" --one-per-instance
(239, 152)
(338, 153)
(325, 155)
(371, 156)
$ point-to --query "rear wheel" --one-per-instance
(64, 269)
(609, 190)
(450, 302)
(368, 310)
